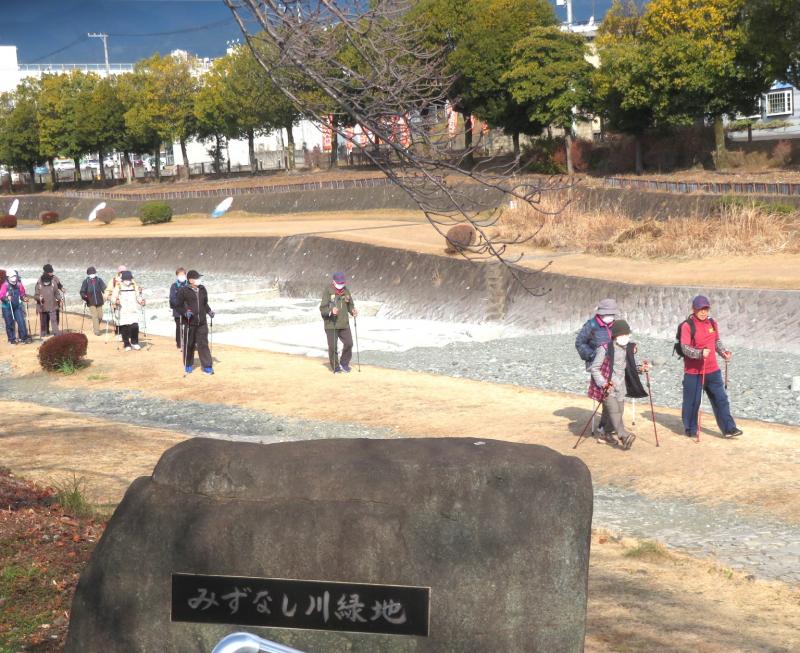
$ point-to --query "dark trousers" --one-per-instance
(130, 333)
(178, 332)
(197, 338)
(715, 389)
(47, 320)
(347, 346)
(13, 316)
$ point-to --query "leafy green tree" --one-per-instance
(64, 130)
(161, 98)
(549, 74)
(701, 64)
(141, 129)
(102, 120)
(480, 36)
(773, 36)
(621, 86)
(19, 128)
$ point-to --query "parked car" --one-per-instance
(64, 164)
(41, 170)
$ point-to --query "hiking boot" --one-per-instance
(208, 370)
(627, 441)
(136, 347)
(606, 438)
(734, 434)
(188, 369)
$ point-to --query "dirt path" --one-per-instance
(760, 471)
(641, 598)
(410, 230)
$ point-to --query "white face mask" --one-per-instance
(127, 283)
(12, 279)
(623, 340)
(92, 276)
(182, 278)
(608, 319)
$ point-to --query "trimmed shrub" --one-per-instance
(48, 217)
(155, 213)
(8, 222)
(459, 238)
(782, 154)
(106, 215)
(69, 348)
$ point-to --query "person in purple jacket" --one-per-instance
(13, 296)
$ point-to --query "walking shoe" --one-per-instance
(188, 369)
(734, 434)
(127, 348)
(606, 438)
(345, 368)
(208, 370)
(136, 347)
(627, 441)
(337, 369)
(12, 342)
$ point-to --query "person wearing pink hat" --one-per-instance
(335, 307)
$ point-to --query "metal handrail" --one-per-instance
(247, 643)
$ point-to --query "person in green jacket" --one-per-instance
(336, 307)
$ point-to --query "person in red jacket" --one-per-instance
(700, 344)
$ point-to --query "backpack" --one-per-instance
(692, 330)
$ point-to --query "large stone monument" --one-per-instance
(367, 546)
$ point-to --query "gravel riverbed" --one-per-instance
(759, 382)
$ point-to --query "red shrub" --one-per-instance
(8, 222)
(67, 347)
(48, 217)
(106, 215)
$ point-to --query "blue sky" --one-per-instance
(54, 31)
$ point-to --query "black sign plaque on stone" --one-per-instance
(309, 604)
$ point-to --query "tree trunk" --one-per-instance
(749, 132)
(334, 160)
(515, 140)
(637, 143)
(568, 146)
(721, 152)
(157, 159)
(101, 158)
(185, 156)
(469, 154)
(76, 173)
(217, 155)
(290, 145)
(53, 177)
(251, 151)
(32, 183)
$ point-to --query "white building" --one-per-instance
(305, 133)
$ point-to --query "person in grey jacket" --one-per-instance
(612, 370)
(49, 294)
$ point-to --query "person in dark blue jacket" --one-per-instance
(596, 332)
(180, 282)
(92, 293)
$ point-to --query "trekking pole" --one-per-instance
(580, 437)
(211, 338)
(652, 410)
(28, 319)
(358, 352)
(108, 319)
(183, 348)
(700, 407)
(83, 317)
(726, 375)
(64, 311)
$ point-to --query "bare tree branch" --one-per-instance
(364, 63)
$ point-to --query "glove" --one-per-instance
(189, 315)
(211, 314)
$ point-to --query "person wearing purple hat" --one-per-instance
(192, 302)
(699, 343)
(335, 307)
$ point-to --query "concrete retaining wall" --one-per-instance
(436, 287)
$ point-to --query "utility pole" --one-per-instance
(568, 3)
(92, 35)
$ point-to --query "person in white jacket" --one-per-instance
(127, 299)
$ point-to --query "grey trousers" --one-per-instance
(613, 408)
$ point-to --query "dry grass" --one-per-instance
(734, 228)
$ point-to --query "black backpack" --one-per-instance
(692, 330)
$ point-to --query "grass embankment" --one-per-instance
(735, 227)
